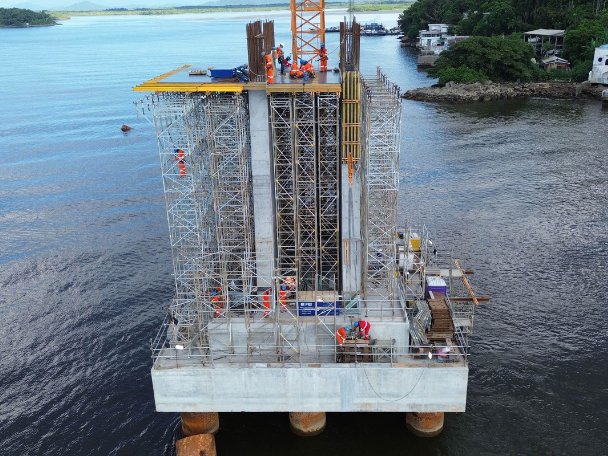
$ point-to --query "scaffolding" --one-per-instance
(328, 105)
(222, 311)
(177, 118)
(380, 149)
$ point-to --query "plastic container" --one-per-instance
(218, 73)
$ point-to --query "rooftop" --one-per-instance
(546, 32)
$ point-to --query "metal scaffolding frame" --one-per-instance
(381, 110)
(177, 118)
(229, 272)
(328, 105)
(220, 313)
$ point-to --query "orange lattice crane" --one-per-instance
(307, 28)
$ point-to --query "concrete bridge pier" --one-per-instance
(198, 430)
(307, 424)
(194, 423)
(424, 424)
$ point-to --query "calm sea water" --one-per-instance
(85, 263)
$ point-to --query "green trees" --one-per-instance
(585, 22)
(481, 58)
(498, 17)
(424, 12)
(16, 17)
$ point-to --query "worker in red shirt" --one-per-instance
(323, 57)
(282, 295)
(266, 299)
(341, 334)
(182, 164)
(363, 327)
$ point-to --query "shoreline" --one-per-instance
(360, 8)
(28, 26)
(491, 91)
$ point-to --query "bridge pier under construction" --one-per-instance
(282, 209)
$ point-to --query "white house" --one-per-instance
(599, 72)
(434, 36)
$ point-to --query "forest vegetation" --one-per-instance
(18, 17)
(497, 27)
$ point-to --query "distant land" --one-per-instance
(19, 17)
(164, 4)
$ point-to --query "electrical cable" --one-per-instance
(402, 397)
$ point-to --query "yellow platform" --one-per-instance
(179, 80)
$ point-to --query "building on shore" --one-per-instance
(433, 42)
(599, 71)
(555, 63)
(546, 40)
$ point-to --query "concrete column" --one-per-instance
(424, 424)
(197, 445)
(263, 186)
(194, 423)
(307, 424)
(350, 231)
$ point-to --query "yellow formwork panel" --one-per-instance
(173, 81)
(415, 244)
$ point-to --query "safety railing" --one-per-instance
(168, 355)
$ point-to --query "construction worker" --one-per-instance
(215, 299)
(286, 63)
(282, 295)
(308, 68)
(294, 69)
(290, 283)
(341, 334)
(266, 299)
(182, 165)
(281, 57)
(242, 73)
(269, 67)
(363, 327)
(323, 57)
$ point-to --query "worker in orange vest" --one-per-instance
(363, 327)
(290, 283)
(294, 69)
(281, 57)
(341, 334)
(307, 68)
(182, 164)
(266, 299)
(269, 69)
(282, 295)
(216, 300)
(323, 57)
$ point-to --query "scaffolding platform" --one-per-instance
(180, 80)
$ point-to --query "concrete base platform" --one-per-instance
(363, 387)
